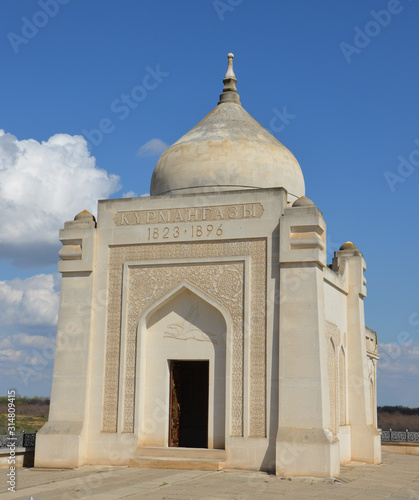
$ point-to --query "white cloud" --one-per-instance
(129, 194)
(398, 373)
(153, 147)
(41, 186)
(5, 342)
(10, 355)
(35, 341)
(35, 360)
(132, 194)
(33, 301)
(25, 360)
(28, 312)
(399, 358)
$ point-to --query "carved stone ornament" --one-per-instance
(223, 282)
(333, 340)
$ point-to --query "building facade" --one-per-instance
(201, 326)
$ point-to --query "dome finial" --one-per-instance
(229, 91)
(230, 78)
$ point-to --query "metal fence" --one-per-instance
(399, 436)
(24, 440)
(27, 440)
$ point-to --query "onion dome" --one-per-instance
(227, 150)
(84, 215)
(348, 246)
(303, 201)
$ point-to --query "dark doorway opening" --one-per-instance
(189, 404)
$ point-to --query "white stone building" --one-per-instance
(202, 327)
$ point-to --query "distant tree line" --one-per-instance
(403, 410)
(37, 406)
(37, 400)
(389, 417)
(398, 418)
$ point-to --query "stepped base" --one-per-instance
(178, 458)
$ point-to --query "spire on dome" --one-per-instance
(229, 91)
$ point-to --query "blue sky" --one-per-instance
(93, 91)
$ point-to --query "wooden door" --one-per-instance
(189, 404)
(174, 404)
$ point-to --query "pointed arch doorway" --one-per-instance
(182, 386)
(189, 404)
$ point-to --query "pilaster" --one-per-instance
(365, 438)
(305, 444)
(62, 442)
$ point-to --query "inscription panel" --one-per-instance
(120, 254)
(191, 214)
(189, 232)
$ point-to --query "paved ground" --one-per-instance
(397, 478)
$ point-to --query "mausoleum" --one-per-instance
(201, 327)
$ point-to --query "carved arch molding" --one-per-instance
(337, 376)
(223, 282)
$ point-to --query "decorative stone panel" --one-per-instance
(224, 282)
(342, 387)
(333, 336)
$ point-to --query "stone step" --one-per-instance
(171, 462)
(198, 453)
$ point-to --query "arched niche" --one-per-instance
(342, 386)
(184, 325)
